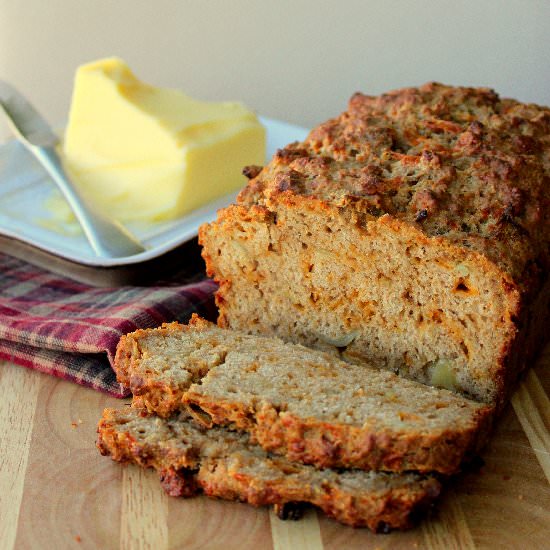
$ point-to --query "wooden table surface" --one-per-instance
(57, 492)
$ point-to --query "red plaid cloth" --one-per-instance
(68, 329)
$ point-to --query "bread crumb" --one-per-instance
(74, 424)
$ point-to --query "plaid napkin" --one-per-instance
(68, 329)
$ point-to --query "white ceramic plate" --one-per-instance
(25, 187)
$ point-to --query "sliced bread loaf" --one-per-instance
(411, 232)
(223, 464)
(304, 404)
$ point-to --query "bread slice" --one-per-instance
(301, 403)
(223, 464)
(411, 232)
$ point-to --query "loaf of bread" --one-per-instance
(301, 403)
(224, 464)
(411, 232)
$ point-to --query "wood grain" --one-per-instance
(144, 515)
(19, 389)
(532, 407)
(198, 523)
(58, 492)
(70, 498)
(296, 534)
(449, 529)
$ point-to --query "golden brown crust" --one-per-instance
(148, 392)
(453, 169)
(394, 510)
(128, 353)
(377, 501)
(455, 162)
(338, 445)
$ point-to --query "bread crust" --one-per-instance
(310, 440)
(332, 445)
(456, 171)
(476, 163)
(236, 474)
(149, 392)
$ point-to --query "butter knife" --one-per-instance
(107, 237)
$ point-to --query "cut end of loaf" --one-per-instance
(377, 292)
(371, 290)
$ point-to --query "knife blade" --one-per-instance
(107, 237)
(24, 120)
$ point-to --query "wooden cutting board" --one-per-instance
(57, 492)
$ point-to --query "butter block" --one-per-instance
(147, 153)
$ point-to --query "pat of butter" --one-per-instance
(149, 153)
